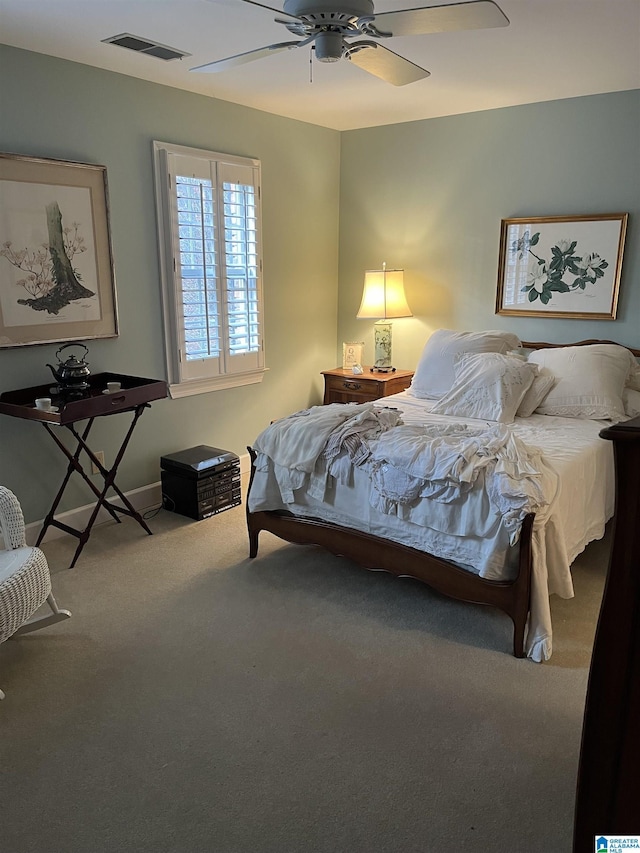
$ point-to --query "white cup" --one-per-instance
(43, 403)
(112, 387)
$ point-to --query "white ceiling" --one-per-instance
(552, 49)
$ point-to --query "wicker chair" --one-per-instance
(25, 583)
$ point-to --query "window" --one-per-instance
(210, 257)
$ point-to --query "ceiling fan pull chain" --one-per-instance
(311, 64)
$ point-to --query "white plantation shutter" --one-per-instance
(194, 253)
(241, 266)
(209, 222)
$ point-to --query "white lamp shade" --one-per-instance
(383, 296)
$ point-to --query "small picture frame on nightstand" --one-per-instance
(352, 354)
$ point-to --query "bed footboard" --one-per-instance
(373, 552)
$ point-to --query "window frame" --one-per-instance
(224, 371)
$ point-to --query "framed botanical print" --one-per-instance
(56, 265)
(561, 266)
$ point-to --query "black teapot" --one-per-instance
(72, 374)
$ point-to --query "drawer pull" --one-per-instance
(352, 386)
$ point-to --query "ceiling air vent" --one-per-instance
(142, 45)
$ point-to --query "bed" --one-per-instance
(485, 479)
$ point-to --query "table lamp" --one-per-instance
(383, 298)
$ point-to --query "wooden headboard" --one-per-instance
(545, 345)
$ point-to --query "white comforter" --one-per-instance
(410, 484)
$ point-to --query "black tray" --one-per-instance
(92, 403)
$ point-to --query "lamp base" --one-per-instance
(382, 342)
(375, 369)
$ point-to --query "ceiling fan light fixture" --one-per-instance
(328, 46)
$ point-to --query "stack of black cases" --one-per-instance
(201, 481)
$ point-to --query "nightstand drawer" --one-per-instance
(339, 389)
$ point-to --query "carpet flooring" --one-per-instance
(199, 701)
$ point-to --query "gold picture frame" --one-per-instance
(561, 266)
(56, 264)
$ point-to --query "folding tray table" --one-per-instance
(135, 396)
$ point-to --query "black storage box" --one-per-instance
(201, 481)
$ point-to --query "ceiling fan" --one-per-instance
(329, 25)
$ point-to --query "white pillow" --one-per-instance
(633, 380)
(435, 373)
(540, 387)
(590, 380)
(631, 400)
(488, 385)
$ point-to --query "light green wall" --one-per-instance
(428, 196)
(59, 109)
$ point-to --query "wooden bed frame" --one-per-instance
(373, 552)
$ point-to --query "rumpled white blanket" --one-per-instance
(350, 444)
(443, 461)
(295, 443)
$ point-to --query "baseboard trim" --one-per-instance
(142, 499)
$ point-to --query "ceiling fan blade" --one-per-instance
(385, 64)
(283, 16)
(475, 15)
(243, 58)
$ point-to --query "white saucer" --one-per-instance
(53, 409)
(106, 391)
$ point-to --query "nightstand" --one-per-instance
(343, 386)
